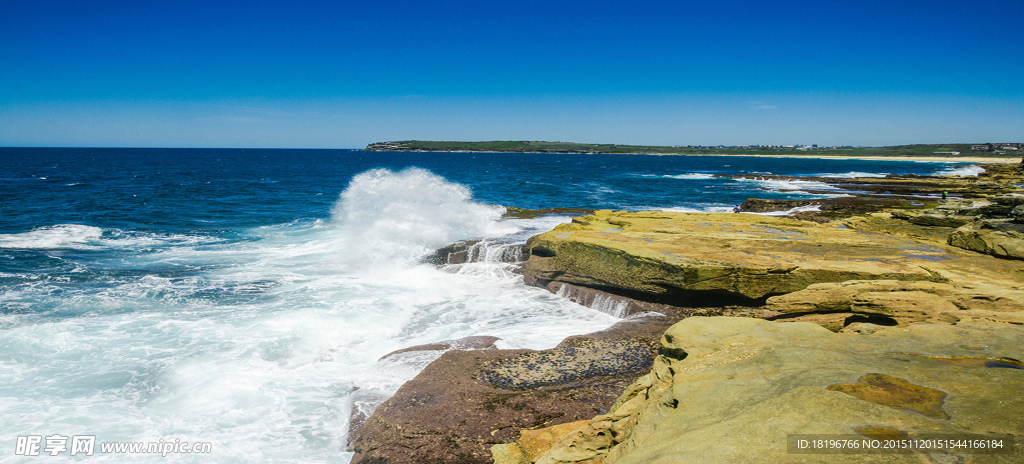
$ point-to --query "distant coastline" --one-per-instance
(958, 152)
(937, 159)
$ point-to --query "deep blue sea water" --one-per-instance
(244, 297)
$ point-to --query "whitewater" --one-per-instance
(245, 299)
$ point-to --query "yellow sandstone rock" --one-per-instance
(509, 453)
(734, 389)
(746, 257)
(705, 259)
(537, 442)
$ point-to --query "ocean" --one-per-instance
(242, 299)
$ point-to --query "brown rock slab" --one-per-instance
(449, 413)
(896, 393)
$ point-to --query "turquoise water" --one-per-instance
(244, 297)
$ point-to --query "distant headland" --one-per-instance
(951, 151)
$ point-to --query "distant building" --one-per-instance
(946, 153)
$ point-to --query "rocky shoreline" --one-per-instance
(893, 312)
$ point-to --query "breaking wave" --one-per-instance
(778, 185)
(961, 171)
(388, 216)
(852, 175)
(691, 176)
(792, 211)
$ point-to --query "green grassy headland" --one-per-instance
(511, 146)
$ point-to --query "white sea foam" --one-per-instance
(58, 236)
(691, 176)
(686, 209)
(729, 209)
(266, 345)
(961, 171)
(792, 211)
(77, 236)
(677, 209)
(852, 175)
(779, 185)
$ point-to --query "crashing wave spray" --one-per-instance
(961, 171)
(398, 217)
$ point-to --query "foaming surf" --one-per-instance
(852, 175)
(695, 209)
(690, 176)
(792, 211)
(83, 237)
(249, 305)
(730, 209)
(785, 184)
(266, 344)
(961, 171)
(51, 237)
(792, 186)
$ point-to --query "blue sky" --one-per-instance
(341, 74)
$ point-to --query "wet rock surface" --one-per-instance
(828, 209)
(456, 253)
(474, 251)
(569, 362)
(450, 414)
(447, 415)
(478, 342)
